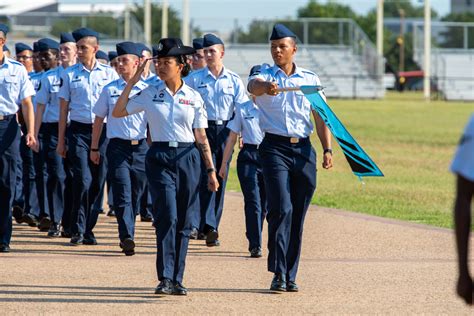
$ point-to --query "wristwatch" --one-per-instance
(209, 170)
(94, 149)
(328, 150)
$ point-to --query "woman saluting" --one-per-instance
(176, 119)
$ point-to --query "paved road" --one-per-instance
(351, 264)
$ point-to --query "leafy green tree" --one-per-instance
(106, 25)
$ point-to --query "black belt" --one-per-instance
(80, 125)
(133, 142)
(250, 146)
(7, 117)
(286, 139)
(172, 144)
(216, 122)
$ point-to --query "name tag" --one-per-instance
(186, 102)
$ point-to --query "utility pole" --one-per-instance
(164, 19)
(380, 58)
(126, 27)
(427, 57)
(185, 23)
(401, 41)
(147, 21)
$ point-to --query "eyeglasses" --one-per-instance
(197, 57)
(23, 57)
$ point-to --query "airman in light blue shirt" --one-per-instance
(132, 127)
(82, 88)
(171, 118)
(286, 114)
(48, 94)
(14, 86)
(246, 123)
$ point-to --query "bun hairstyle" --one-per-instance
(181, 59)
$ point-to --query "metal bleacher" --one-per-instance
(342, 73)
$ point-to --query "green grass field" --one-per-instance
(412, 141)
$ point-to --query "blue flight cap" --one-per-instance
(66, 38)
(46, 43)
(5, 48)
(125, 48)
(21, 47)
(198, 43)
(35, 47)
(4, 29)
(154, 50)
(112, 55)
(84, 32)
(142, 47)
(211, 39)
(255, 70)
(101, 55)
(280, 31)
(173, 47)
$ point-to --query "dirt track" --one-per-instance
(351, 264)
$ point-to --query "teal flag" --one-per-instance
(361, 164)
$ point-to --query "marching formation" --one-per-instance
(76, 121)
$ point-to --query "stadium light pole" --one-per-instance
(126, 31)
(185, 23)
(427, 57)
(147, 21)
(164, 19)
(380, 37)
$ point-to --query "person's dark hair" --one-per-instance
(187, 68)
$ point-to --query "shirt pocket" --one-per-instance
(227, 96)
(12, 85)
(302, 103)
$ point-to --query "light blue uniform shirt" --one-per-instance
(151, 78)
(82, 89)
(48, 94)
(170, 118)
(35, 78)
(14, 86)
(463, 162)
(220, 94)
(246, 123)
(288, 113)
(132, 127)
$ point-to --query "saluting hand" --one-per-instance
(327, 161)
(138, 74)
(212, 183)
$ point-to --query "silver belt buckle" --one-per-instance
(2, 117)
(134, 142)
(219, 122)
(173, 144)
(294, 140)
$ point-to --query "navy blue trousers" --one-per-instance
(127, 177)
(173, 178)
(249, 171)
(9, 151)
(31, 202)
(88, 178)
(290, 175)
(66, 221)
(212, 203)
(50, 172)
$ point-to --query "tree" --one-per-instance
(107, 26)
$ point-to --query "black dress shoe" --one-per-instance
(44, 224)
(291, 286)
(89, 240)
(194, 234)
(179, 289)
(54, 230)
(128, 246)
(201, 236)
(278, 283)
(256, 252)
(147, 218)
(65, 234)
(211, 238)
(111, 213)
(165, 287)
(30, 220)
(77, 239)
(4, 248)
(18, 214)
